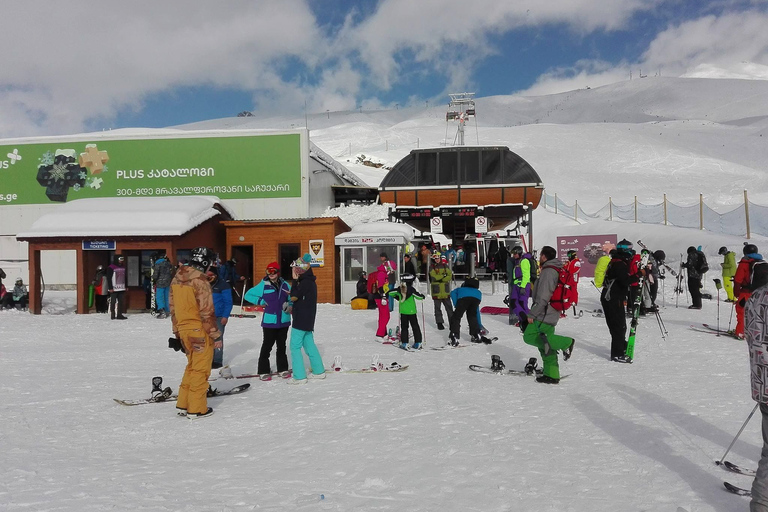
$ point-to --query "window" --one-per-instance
(492, 166)
(470, 167)
(353, 263)
(427, 175)
(448, 168)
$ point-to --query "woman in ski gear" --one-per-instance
(742, 284)
(573, 267)
(272, 292)
(440, 288)
(729, 271)
(193, 320)
(380, 298)
(756, 319)
(303, 308)
(406, 295)
(615, 287)
(542, 318)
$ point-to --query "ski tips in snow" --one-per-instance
(736, 490)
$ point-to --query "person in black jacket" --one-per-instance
(408, 267)
(694, 267)
(303, 307)
(615, 288)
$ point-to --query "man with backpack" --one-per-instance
(521, 270)
(751, 272)
(696, 265)
(543, 317)
(162, 274)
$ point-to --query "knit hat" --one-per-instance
(274, 266)
(302, 264)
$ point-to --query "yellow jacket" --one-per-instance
(191, 303)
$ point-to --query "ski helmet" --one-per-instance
(659, 256)
(749, 248)
(571, 254)
(723, 251)
(517, 250)
(624, 245)
(202, 258)
(691, 249)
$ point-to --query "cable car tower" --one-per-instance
(460, 109)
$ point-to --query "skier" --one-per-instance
(272, 292)
(162, 273)
(408, 266)
(729, 270)
(696, 265)
(440, 277)
(407, 296)
(222, 303)
(742, 284)
(519, 270)
(542, 319)
(573, 267)
(303, 307)
(633, 266)
(101, 289)
(756, 318)
(466, 300)
(193, 321)
(116, 279)
(615, 287)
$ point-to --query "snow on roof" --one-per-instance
(380, 229)
(126, 216)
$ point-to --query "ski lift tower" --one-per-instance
(461, 108)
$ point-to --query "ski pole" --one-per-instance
(718, 286)
(719, 462)
(730, 318)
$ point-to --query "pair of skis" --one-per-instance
(739, 470)
(710, 329)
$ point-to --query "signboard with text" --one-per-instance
(99, 245)
(229, 167)
(589, 249)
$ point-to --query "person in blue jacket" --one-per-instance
(466, 299)
(272, 292)
(222, 303)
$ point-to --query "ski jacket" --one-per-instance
(465, 291)
(19, 291)
(600, 268)
(407, 299)
(191, 303)
(116, 277)
(162, 273)
(519, 270)
(222, 300)
(743, 278)
(409, 268)
(272, 296)
(304, 298)
(692, 265)
(440, 281)
(101, 283)
(617, 280)
(381, 280)
(756, 332)
(729, 264)
(574, 268)
(543, 289)
(361, 287)
(228, 275)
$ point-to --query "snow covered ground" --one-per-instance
(435, 437)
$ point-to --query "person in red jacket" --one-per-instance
(742, 284)
(573, 267)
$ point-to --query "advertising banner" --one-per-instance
(230, 167)
(317, 252)
(589, 249)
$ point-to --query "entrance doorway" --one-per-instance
(288, 254)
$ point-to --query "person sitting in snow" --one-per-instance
(406, 295)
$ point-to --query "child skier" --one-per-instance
(407, 296)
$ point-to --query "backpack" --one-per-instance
(701, 265)
(561, 297)
(373, 285)
(534, 266)
(758, 274)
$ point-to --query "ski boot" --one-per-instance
(416, 346)
(453, 340)
(497, 365)
(403, 345)
(440, 327)
(530, 368)
(375, 364)
(157, 386)
(568, 352)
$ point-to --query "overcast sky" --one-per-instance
(83, 65)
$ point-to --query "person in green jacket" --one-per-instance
(602, 264)
(440, 288)
(406, 295)
(729, 270)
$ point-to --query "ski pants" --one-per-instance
(218, 353)
(518, 302)
(161, 299)
(468, 305)
(617, 324)
(445, 303)
(193, 390)
(759, 501)
(117, 305)
(740, 303)
(306, 340)
(383, 307)
(728, 287)
(273, 337)
(694, 288)
(407, 321)
(543, 337)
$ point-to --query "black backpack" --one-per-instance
(701, 265)
(758, 274)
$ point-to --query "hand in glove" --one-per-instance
(288, 307)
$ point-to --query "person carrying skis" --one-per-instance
(519, 270)
(303, 307)
(193, 320)
(222, 303)
(406, 295)
(162, 273)
(542, 319)
(729, 271)
(440, 277)
(696, 267)
(573, 267)
(272, 292)
(116, 280)
(742, 283)
(615, 288)
(466, 300)
(756, 319)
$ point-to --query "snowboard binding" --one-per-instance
(530, 367)
(497, 365)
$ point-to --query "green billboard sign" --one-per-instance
(230, 167)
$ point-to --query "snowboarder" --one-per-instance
(440, 277)
(193, 321)
(303, 307)
(729, 270)
(519, 270)
(222, 304)
(542, 319)
(273, 292)
(742, 284)
(116, 279)
(407, 296)
(162, 273)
